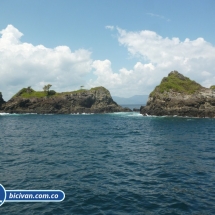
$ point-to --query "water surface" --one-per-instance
(120, 163)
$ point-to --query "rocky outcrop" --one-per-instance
(136, 110)
(95, 100)
(178, 95)
(1, 101)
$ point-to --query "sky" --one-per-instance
(126, 46)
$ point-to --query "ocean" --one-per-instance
(119, 163)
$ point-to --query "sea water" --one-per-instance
(120, 163)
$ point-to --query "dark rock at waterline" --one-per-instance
(136, 110)
(178, 95)
(95, 100)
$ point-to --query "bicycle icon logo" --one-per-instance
(2, 194)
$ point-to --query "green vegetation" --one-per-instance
(51, 92)
(177, 83)
(26, 93)
(212, 87)
(35, 94)
(30, 93)
(79, 91)
(98, 88)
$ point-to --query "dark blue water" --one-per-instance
(110, 164)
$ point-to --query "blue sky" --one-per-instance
(126, 46)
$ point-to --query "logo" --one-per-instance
(2, 195)
(30, 195)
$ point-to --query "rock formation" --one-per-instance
(1, 100)
(95, 100)
(178, 95)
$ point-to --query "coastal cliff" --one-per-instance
(1, 100)
(95, 100)
(178, 95)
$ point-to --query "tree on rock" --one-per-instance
(29, 89)
(47, 87)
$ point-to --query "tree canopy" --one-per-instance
(47, 87)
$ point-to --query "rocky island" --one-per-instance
(178, 95)
(95, 100)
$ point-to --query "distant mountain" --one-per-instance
(137, 99)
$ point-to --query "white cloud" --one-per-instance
(205, 73)
(157, 57)
(192, 58)
(110, 27)
(158, 16)
(10, 35)
(23, 64)
(126, 82)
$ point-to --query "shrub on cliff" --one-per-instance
(51, 92)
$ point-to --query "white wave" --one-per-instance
(10, 114)
(148, 115)
(126, 114)
(4, 114)
(81, 113)
(16, 114)
(136, 115)
(154, 116)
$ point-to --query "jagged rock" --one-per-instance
(95, 100)
(1, 101)
(178, 95)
